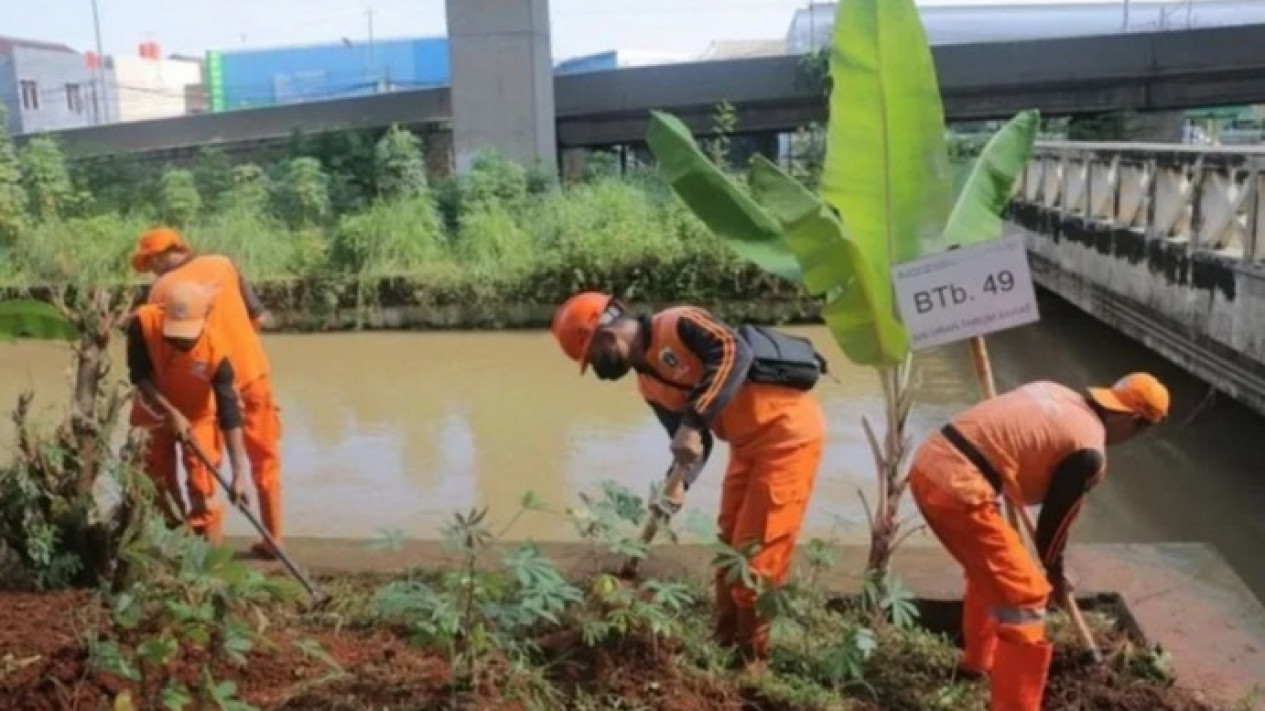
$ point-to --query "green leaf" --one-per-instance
(859, 310)
(158, 650)
(977, 215)
(865, 641)
(237, 641)
(716, 199)
(886, 169)
(388, 539)
(531, 501)
(108, 657)
(175, 696)
(30, 318)
(313, 648)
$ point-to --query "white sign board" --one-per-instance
(967, 292)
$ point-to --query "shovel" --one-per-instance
(319, 599)
(673, 490)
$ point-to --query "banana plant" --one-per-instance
(30, 318)
(885, 199)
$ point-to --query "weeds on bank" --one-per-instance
(526, 614)
(192, 614)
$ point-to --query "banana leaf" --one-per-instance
(977, 215)
(714, 197)
(858, 304)
(28, 318)
(886, 169)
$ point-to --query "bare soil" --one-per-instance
(43, 667)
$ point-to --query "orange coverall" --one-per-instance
(199, 384)
(1043, 444)
(236, 308)
(697, 375)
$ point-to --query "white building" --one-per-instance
(1001, 22)
(148, 86)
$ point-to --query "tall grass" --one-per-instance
(500, 233)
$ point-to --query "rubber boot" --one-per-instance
(725, 630)
(270, 513)
(980, 632)
(1019, 674)
(753, 641)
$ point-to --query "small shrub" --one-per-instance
(470, 611)
(399, 166)
(192, 605)
(303, 194)
(495, 179)
(178, 197)
(13, 215)
(46, 178)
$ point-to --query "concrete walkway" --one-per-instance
(1185, 597)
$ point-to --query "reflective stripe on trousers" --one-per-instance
(1018, 615)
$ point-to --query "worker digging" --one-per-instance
(1039, 444)
(236, 319)
(183, 372)
(749, 388)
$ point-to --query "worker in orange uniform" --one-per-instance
(184, 372)
(700, 378)
(237, 316)
(1040, 444)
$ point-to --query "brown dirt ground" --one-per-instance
(43, 668)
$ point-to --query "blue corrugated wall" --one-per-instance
(294, 74)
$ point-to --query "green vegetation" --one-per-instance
(501, 625)
(321, 230)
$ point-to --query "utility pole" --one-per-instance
(373, 61)
(1125, 26)
(99, 72)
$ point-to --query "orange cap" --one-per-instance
(1137, 394)
(153, 243)
(185, 306)
(576, 322)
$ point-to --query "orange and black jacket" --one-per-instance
(140, 367)
(725, 358)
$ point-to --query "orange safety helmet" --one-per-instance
(576, 322)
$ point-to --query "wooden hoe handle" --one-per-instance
(317, 597)
(672, 488)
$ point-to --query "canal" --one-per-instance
(395, 431)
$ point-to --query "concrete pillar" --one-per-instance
(502, 80)
(574, 161)
(1135, 126)
(1155, 127)
(439, 159)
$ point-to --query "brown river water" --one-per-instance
(397, 431)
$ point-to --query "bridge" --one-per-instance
(1166, 243)
(1141, 71)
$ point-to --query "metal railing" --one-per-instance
(1205, 197)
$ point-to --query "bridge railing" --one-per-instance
(1208, 198)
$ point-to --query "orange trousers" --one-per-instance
(770, 478)
(261, 429)
(205, 512)
(1003, 619)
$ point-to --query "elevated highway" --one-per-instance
(1140, 71)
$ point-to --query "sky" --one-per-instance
(579, 26)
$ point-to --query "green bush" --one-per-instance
(353, 223)
(179, 198)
